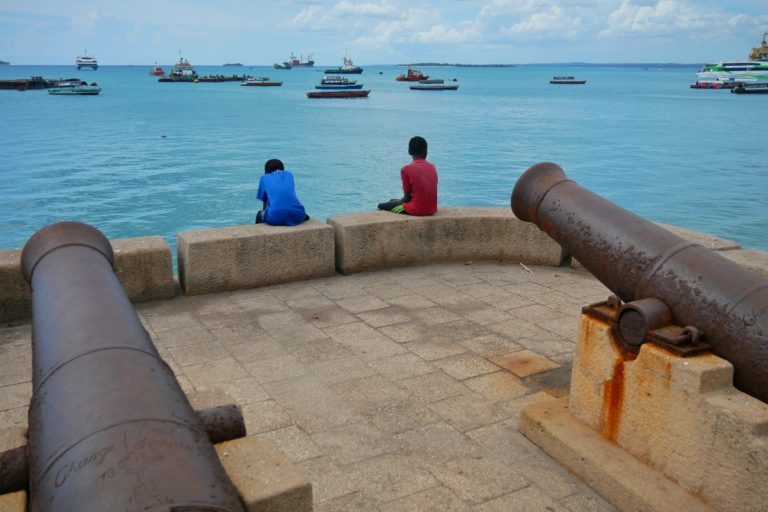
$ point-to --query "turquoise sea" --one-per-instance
(147, 158)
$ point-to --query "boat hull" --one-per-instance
(338, 94)
(342, 71)
(262, 84)
(332, 87)
(568, 82)
(434, 87)
(74, 91)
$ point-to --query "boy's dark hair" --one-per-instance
(273, 165)
(417, 147)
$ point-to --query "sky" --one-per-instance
(381, 31)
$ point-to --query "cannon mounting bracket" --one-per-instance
(683, 341)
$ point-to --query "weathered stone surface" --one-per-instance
(680, 416)
(618, 476)
(264, 477)
(15, 295)
(751, 259)
(375, 240)
(714, 243)
(143, 266)
(215, 260)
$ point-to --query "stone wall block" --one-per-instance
(232, 258)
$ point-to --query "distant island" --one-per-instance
(233, 64)
(457, 65)
(3, 63)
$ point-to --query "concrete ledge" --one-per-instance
(143, 266)
(713, 243)
(265, 478)
(373, 240)
(232, 258)
(751, 259)
(619, 477)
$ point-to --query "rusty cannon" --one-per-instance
(676, 294)
(109, 426)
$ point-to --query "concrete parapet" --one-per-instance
(265, 478)
(143, 266)
(681, 417)
(751, 259)
(215, 260)
(374, 240)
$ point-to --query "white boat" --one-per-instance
(86, 61)
(734, 71)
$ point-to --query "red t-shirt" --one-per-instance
(420, 179)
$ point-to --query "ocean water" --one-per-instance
(148, 158)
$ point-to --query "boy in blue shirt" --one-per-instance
(278, 195)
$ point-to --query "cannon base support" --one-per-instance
(655, 432)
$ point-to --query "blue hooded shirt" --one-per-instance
(278, 191)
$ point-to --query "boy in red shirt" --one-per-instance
(419, 183)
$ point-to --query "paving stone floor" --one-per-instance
(396, 390)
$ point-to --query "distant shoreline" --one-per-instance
(457, 65)
(434, 64)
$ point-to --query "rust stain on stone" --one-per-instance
(613, 400)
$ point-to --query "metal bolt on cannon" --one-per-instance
(109, 426)
(676, 294)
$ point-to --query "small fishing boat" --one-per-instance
(157, 71)
(78, 90)
(437, 84)
(566, 80)
(261, 81)
(413, 75)
(339, 94)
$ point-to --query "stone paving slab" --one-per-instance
(392, 390)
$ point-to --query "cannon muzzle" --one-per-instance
(109, 426)
(637, 259)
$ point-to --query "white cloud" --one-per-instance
(85, 22)
(554, 23)
(666, 17)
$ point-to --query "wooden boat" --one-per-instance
(566, 80)
(78, 90)
(339, 94)
(261, 81)
(413, 75)
(434, 85)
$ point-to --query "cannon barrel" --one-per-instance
(637, 259)
(109, 426)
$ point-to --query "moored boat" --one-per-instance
(182, 71)
(339, 94)
(284, 65)
(412, 75)
(300, 62)
(734, 71)
(347, 68)
(261, 81)
(437, 84)
(566, 80)
(86, 61)
(337, 80)
(78, 90)
(156, 71)
(757, 88)
(340, 87)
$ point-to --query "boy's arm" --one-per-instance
(406, 186)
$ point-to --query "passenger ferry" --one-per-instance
(84, 61)
(749, 70)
